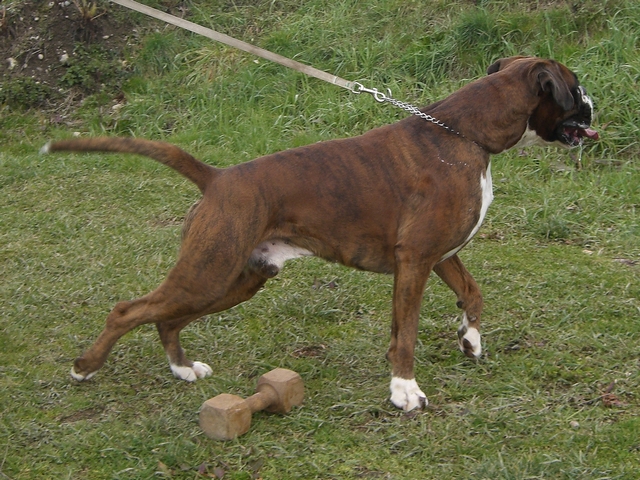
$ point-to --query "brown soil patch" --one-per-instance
(41, 41)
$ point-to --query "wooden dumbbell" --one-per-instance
(227, 416)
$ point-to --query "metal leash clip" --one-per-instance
(380, 97)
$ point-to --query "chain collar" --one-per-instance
(380, 97)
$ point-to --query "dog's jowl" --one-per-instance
(402, 199)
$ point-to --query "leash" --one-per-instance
(232, 42)
(353, 87)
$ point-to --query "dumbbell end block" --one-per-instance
(225, 417)
(288, 387)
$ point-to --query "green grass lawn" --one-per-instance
(558, 260)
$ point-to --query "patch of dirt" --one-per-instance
(90, 414)
(310, 351)
(51, 50)
(626, 261)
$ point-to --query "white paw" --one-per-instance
(469, 339)
(191, 374)
(469, 342)
(202, 370)
(79, 377)
(406, 394)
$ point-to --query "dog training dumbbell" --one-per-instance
(227, 416)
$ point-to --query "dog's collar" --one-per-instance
(412, 109)
(439, 123)
(431, 119)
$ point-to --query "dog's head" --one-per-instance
(564, 111)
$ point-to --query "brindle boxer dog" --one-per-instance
(402, 199)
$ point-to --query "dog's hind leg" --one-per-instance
(181, 366)
(172, 306)
(456, 276)
(124, 317)
(245, 287)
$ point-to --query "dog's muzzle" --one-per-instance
(574, 129)
(571, 132)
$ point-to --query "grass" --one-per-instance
(556, 394)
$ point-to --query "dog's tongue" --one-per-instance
(589, 133)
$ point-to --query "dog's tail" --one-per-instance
(198, 172)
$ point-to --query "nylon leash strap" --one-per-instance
(232, 42)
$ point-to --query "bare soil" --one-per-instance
(41, 40)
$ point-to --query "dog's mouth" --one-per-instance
(572, 132)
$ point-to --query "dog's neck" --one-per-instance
(431, 119)
(508, 128)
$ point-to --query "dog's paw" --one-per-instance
(406, 394)
(79, 376)
(192, 373)
(469, 341)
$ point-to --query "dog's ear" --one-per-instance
(494, 67)
(550, 79)
(501, 64)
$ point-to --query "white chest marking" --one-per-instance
(486, 185)
(530, 138)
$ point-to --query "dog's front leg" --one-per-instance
(408, 287)
(456, 276)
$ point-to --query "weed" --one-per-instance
(23, 93)
(88, 30)
(7, 22)
(91, 69)
(88, 10)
